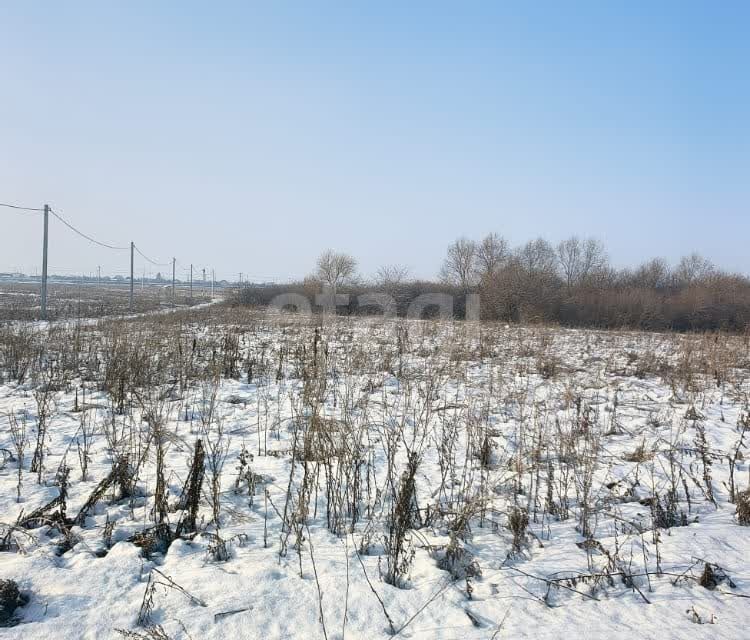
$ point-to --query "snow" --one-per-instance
(462, 379)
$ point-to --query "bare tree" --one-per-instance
(459, 266)
(335, 269)
(692, 269)
(654, 274)
(491, 254)
(537, 257)
(531, 281)
(579, 259)
(391, 275)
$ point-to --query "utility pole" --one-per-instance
(174, 300)
(191, 283)
(132, 247)
(44, 262)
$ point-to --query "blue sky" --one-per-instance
(251, 137)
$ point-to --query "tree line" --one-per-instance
(572, 284)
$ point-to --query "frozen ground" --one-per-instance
(20, 301)
(617, 448)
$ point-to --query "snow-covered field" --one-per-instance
(20, 301)
(364, 479)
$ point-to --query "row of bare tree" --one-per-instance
(572, 283)
(575, 262)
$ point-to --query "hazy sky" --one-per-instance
(250, 137)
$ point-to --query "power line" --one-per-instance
(83, 235)
(145, 257)
(20, 208)
(131, 246)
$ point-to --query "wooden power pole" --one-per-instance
(132, 247)
(44, 262)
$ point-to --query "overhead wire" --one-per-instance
(153, 262)
(83, 235)
(106, 245)
(20, 208)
